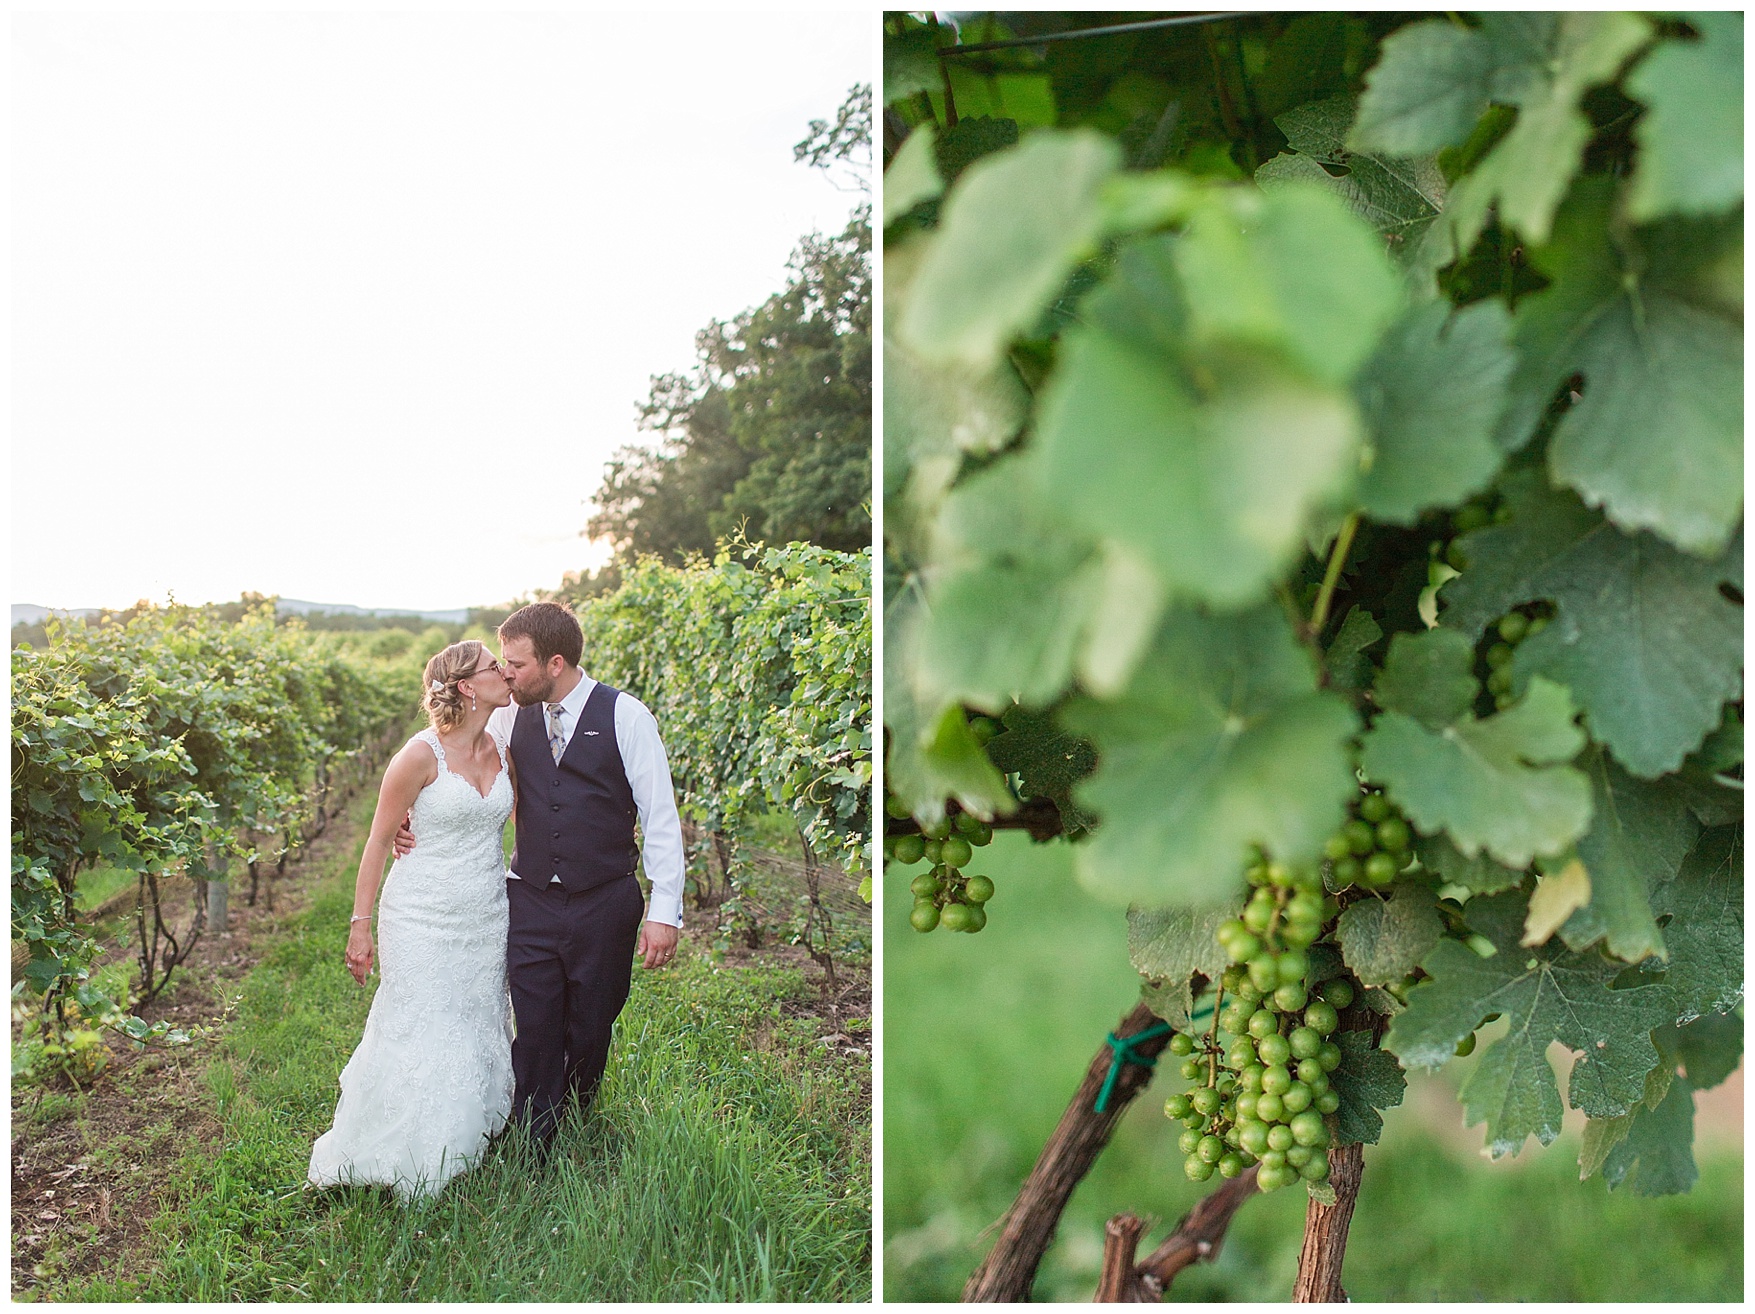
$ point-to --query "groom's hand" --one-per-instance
(404, 841)
(657, 943)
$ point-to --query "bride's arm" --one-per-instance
(409, 772)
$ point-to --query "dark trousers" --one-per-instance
(569, 958)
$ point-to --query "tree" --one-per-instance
(770, 432)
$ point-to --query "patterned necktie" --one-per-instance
(556, 744)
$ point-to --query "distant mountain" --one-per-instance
(30, 613)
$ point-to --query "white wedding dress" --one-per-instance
(432, 1077)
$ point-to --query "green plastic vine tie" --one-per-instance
(1125, 1052)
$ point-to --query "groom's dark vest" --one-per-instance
(576, 816)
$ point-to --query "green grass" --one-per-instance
(727, 1158)
(98, 884)
(986, 1036)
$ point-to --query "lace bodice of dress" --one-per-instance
(451, 820)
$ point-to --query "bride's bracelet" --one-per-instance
(359, 917)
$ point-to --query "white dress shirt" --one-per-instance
(648, 772)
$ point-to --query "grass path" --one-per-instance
(727, 1157)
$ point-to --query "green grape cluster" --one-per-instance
(1373, 847)
(1513, 628)
(945, 895)
(1263, 1070)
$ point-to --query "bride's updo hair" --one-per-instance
(446, 704)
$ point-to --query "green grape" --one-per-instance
(1234, 1018)
(1246, 1104)
(910, 849)
(1299, 1155)
(1279, 874)
(1197, 1169)
(1361, 838)
(1394, 835)
(957, 917)
(1300, 935)
(1304, 907)
(1291, 997)
(925, 915)
(1263, 1023)
(1231, 1137)
(1498, 655)
(1380, 869)
(981, 836)
(1294, 965)
(1307, 1128)
(934, 851)
(1275, 1080)
(1321, 1018)
(1536, 626)
(925, 885)
(1240, 1055)
(1273, 1177)
(1499, 682)
(1346, 872)
(1210, 1149)
(1205, 1100)
(1273, 1049)
(1252, 1138)
(978, 890)
(1264, 972)
(1243, 947)
(1280, 1138)
(1338, 992)
(1250, 1076)
(1188, 1140)
(1329, 1056)
(1316, 1170)
(1317, 1081)
(1296, 1098)
(1245, 990)
(896, 808)
(1195, 1122)
(977, 917)
(1231, 1166)
(965, 823)
(1309, 1070)
(1177, 1107)
(1181, 1044)
(1271, 1158)
(1232, 977)
(1513, 626)
(984, 728)
(1269, 1108)
(1258, 913)
(890, 846)
(1191, 1068)
(1304, 1042)
(1335, 847)
(955, 851)
(937, 830)
(1327, 1102)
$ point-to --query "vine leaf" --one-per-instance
(1640, 832)
(1398, 196)
(1430, 85)
(1479, 873)
(1526, 173)
(1011, 231)
(1220, 740)
(1431, 397)
(912, 176)
(1047, 761)
(1548, 994)
(1621, 602)
(1348, 666)
(1213, 495)
(1368, 1079)
(1169, 947)
(1691, 135)
(1384, 941)
(910, 63)
(1703, 902)
(1656, 439)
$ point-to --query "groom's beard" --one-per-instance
(531, 697)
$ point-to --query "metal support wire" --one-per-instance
(1146, 25)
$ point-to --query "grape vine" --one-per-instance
(1313, 487)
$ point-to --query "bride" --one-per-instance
(431, 1080)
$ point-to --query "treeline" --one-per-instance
(769, 433)
(175, 742)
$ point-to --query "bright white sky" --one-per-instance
(353, 308)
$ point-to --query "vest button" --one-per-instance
(554, 807)
(557, 780)
(557, 834)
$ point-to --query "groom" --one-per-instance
(588, 762)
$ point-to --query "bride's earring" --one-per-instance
(472, 702)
